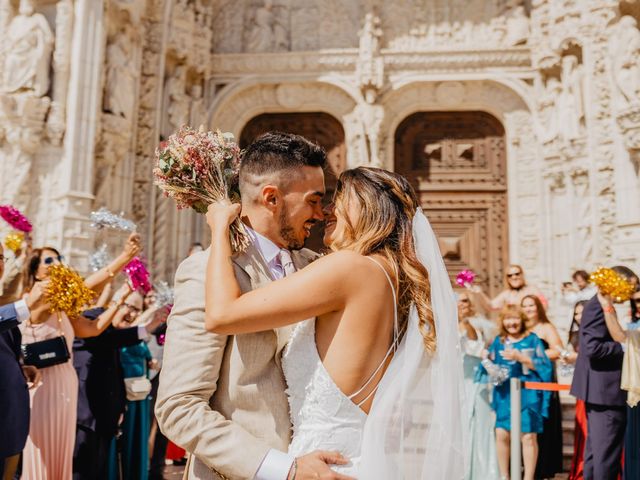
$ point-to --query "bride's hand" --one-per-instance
(221, 214)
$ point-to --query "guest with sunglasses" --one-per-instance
(516, 289)
(136, 361)
(101, 399)
(49, 449)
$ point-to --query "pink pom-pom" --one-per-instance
(15, 218)
(138, 275)
(465, 277)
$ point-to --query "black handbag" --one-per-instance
(46, 353)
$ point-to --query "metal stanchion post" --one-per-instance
(516, 472)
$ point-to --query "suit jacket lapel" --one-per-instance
(254, 265)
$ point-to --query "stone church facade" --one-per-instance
(518, 121)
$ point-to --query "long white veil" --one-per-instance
(415, 429)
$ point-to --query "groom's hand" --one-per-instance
(315, 466)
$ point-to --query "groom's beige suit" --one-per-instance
(221, 397)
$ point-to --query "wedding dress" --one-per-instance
(414, 429)
(323, 417)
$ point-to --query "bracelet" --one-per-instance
(609, 309)
(111, 274)
(294, 470)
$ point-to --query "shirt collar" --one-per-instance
(266, 247)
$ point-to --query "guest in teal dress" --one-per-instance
(483, 460)
(522, 355)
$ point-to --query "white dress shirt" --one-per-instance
(275, 464)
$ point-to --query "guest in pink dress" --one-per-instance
(48, 454)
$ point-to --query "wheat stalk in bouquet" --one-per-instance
(197, 168)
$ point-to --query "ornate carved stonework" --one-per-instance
(560, 78)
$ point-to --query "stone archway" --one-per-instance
(456, 161)
(319, 127)
(510, 104)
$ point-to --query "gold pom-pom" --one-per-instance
(67, 292)
(14, 240)
(610, 283)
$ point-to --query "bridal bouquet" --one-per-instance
(196, 168)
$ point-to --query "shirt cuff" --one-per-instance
(275, 466)
(22, 310)
(142, 332)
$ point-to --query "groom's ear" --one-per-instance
(270, 196)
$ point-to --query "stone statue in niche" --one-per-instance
(549, 115)
(198, 114)
(371, 116)
(625, 53)
(267, 32)
(517, 25)
(27, 49)
(370, 67)
(177, 100)
(121, 77)
(571, 103)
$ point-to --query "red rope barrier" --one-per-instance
(551, 387)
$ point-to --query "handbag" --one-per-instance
(47, 353)
(137, 388)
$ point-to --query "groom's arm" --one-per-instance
(188, 380)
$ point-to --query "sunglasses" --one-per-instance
(636, 300)
(51, 260)
(512, 275)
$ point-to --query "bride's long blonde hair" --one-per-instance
(387, 205)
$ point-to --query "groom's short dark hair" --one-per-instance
(277, 151)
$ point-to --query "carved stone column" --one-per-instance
(61, 66)
(70, 211)
(601, 146)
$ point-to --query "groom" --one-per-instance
(222, 398)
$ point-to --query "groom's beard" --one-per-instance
(287, 232)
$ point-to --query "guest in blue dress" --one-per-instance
(136, 424)
(521, 355)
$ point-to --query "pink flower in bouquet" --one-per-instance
(465, 277)
(15, 218)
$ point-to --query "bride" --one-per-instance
(372, 368)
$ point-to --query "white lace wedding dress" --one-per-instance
(323, 417)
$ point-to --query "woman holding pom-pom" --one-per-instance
(48, 454)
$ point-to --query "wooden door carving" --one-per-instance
(457, 163)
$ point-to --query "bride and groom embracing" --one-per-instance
(280, 364)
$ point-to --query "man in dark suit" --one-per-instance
(596, 380)
(101, 395)
(14, 392)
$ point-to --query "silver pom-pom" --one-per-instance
(99, 259)
(103, 218)
(163, 293)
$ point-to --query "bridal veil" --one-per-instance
(415, 429)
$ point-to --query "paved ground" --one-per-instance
(173, 473)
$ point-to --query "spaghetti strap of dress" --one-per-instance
(393, 344)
